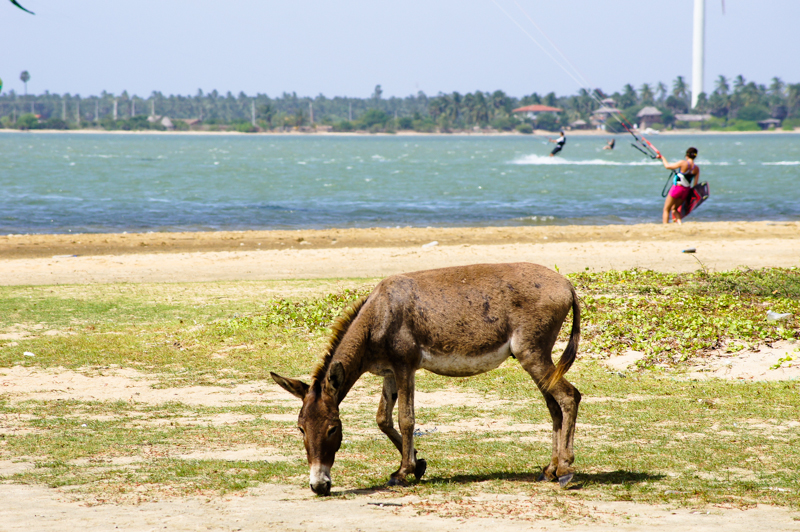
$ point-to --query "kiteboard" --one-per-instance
(697, 195)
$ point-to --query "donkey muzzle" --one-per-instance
(320, 479)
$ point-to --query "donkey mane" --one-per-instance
(339, 329)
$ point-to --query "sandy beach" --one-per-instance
(377, 252)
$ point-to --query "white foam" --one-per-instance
(546, 160)
(783, 163)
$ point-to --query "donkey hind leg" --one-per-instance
(549, 471)
(562, 402)
(568, 398)
(405, 417)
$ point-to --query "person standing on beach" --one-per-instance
(685, 170)
(559, 142)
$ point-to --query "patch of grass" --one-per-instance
(671, 317)
(642, 436)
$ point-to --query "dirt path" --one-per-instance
(287, 508)
(349, 253)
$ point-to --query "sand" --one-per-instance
(378, 252)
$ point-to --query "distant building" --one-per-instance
(162, 120)
(193, 123)
(579, 124)
(692, 117)
(533, 111)
(769, 123)
(648, 116)
(599, 116)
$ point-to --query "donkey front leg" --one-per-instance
(384, 417)
(405, 417)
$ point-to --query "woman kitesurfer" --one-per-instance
(685, 171)
(559, 142)
(610, 144)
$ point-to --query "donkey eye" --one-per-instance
(301, 431)
(332, 431)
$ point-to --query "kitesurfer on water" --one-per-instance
(685, 170)
(610, 144)
(559, 142)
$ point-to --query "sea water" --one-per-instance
(85, 182)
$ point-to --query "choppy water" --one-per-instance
(57, 183)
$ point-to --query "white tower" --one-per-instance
(698, 45)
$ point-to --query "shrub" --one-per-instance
(244, 127)
(548, 121)
(53, 123)
(424, 125)
(27, 121)
(344, 125)
(743, 125)
(372, 118)
(527, 129)
(753, 113)
(405, 122)
(791, 123)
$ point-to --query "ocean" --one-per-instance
(97, 183)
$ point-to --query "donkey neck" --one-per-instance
(350, 353)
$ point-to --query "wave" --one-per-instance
(783, 163)
(547, 160)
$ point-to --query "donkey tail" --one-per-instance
(571, 351)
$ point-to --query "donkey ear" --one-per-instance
(335, 377)
(294, 387)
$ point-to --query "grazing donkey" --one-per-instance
(458, 321)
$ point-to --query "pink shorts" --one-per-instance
(679, 192)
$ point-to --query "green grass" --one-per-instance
(644, 436)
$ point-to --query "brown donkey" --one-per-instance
(457, 321)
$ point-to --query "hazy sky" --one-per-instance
(345, 48)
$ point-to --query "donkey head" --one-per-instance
(319, 422)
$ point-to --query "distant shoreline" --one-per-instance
(538, 132)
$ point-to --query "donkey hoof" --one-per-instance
(546, 475)
(566, 479)
(396, 482)
(420, 468)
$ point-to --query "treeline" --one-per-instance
(733, 104)
(736, 103)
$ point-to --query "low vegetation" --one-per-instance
(649, 435)
(733, 105)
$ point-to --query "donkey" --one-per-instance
(458, 321)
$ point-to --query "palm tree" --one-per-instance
(661, 90)
(776, 87)
(738, 83)
(793, 97)
(481, 108)
(628, 98)
(722, 86)
(646, 93)
(500, 103)
(679, 89)
(25, 77)
(468, 105)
